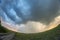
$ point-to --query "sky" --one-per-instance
(29, 15)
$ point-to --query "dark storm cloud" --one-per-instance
(45, 11)
(26, 10)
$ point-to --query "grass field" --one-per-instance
(53, 34)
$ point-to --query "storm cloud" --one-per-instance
(21, 11)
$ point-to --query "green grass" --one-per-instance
(48, 35)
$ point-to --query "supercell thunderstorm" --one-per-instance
(28, 16)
